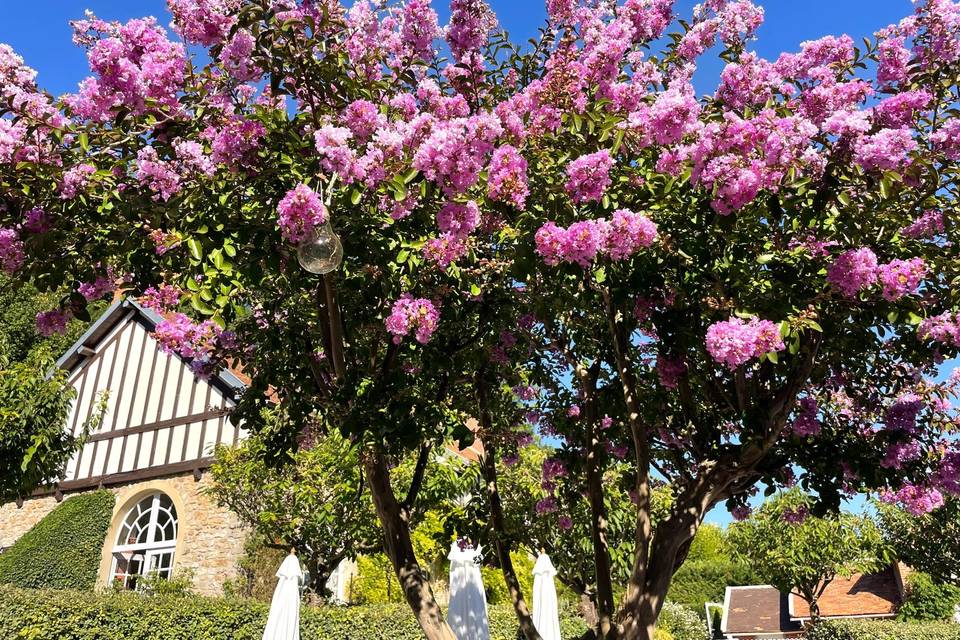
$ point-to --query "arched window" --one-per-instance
(146, 542)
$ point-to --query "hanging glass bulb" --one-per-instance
(321, 252)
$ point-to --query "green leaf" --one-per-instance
(196, 249)
(765, 258)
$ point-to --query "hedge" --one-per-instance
(73, 615)
(63, 550)
(681, 622)
(884, 630)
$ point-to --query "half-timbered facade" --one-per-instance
(160, 425)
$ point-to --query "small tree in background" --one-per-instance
(796, 551)
(927, 542)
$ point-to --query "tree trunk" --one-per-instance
(396, 544)
(606, 628)
(502, 544)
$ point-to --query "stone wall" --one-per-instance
(209, 541)
(16, 521)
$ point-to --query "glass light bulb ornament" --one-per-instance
(321, 252)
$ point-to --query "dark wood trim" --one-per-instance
(139, 475)
(158, 426)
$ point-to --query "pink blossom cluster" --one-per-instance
(101, 286)
(796, 515)
(900, 453)
(857, 269)
(11, 250)
(886, 150)
(470, 23)
(917, 500)
(733, 22)
(235, 142)
(901, 277)
(413, 314)
(894, 59)
(625, 234)
(456, 222)
(133, 64)
(53, 322)
(235, 57)
(164, 241)
(204, 22)
(944, 328)
(946, 139)
(546, 505)
(670, 370)
(299, 212)
(853, 271)
(734, 342)
(507, 177)
(454, 152)
(806, 423)
(589, 176)
(157, 175)
(902, 414)
(928, 225)
(162, 299)
(75, 180)
(200, 342)
(36, 220)
(11, 139)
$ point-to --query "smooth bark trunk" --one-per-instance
(606, 629)
(397, 545)
(502, 545)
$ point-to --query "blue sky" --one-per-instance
(39, 31)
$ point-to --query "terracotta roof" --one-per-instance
(872, 595)
(756, 610)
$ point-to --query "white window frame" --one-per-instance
(153, 550)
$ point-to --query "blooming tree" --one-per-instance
(750, 286)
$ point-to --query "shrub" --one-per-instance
(72, 615)
(63, 550)
(884, 630)
(681, 622)
(928, 600)
(375, 581)
(256, 571)
(699, 582)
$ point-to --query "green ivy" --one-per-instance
(73, 615)
(63, 550)
(883, 630)
(928, 599)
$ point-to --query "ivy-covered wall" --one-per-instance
(63, 550)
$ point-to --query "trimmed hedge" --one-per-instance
(74, 615)
(681, 622)
(62, 551)
(884, 630)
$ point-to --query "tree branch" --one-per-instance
(417, 482)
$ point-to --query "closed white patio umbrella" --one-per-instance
(284, 620)
(467, 610)
(546, 617)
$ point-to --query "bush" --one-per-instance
(699, 582)
(884, 630)
(375, 582)
(681, 622)
(63, 550)
(928, 600)
(73, 615)
(256, 571)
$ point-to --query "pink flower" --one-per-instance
(235, 142)
(734, 342)
(76, 180)
(546, 505)
(946, 139)
(806, 423)
(159, 176)
(458, 219)
(163, 298)
(902, 414)
(470, 23)
(203, 22)
(11, 138)
(901, 277)
(573, 411)
(299, 212)
(445, 250)
(853, 271)
(900, 453)
(53, 322)
(886, 150)
(413, 314)
(795, 516)
(100, 287)
(589, 176)
(669, 371)
(628, 233)
(36, 220)
(565, 523)
(507, 180)
(363, 118)
(235, 57)
(741, 513)
(916, 499)
(928, 225)
(11, 250)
